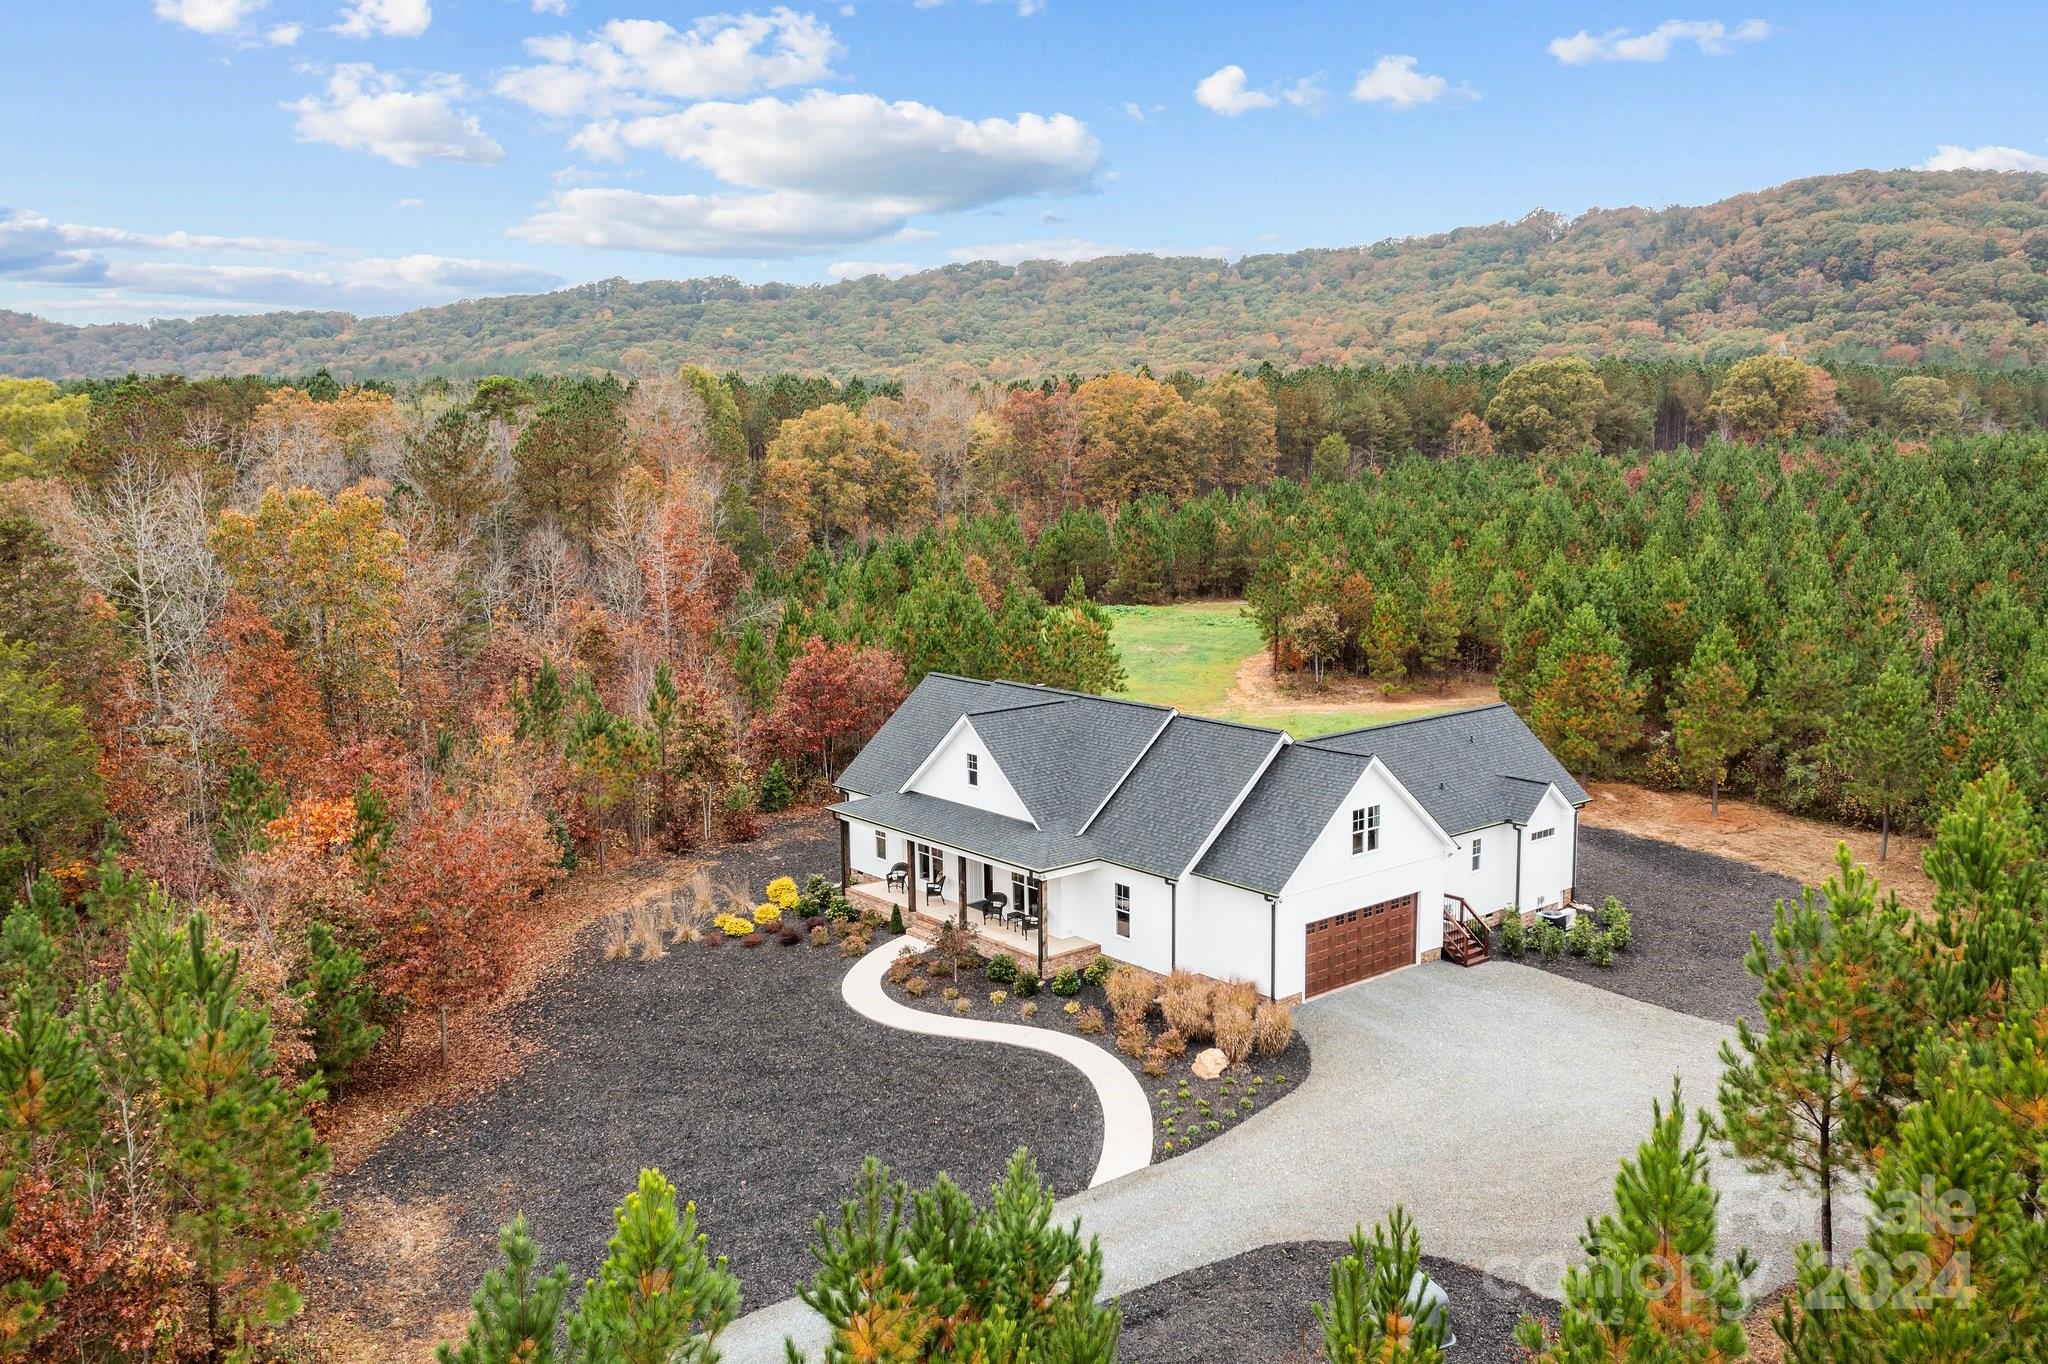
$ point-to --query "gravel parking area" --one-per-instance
(1254, 1308)
(1180, 1120)
(1693, 914)
(738, 1072)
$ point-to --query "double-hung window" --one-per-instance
(882, 845)
(1475, 854)
(1123, 910)
(1365, 829)
(974, 769)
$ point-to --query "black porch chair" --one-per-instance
(992, 906)
(899, 875)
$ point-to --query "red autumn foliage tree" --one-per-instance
(273, 710)
(449, 906)
(121, 1274)
(835, 697)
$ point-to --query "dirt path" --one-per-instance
(1255, 688)
(1803, 849)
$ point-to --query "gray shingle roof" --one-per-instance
(908, 737)
(1292, 803)
(990, 835)
(1186, 781)
(1469, 768)
(1062, 752)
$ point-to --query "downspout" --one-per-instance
(1518, 868)
(1173, 919)
(846, 854)
(1575, 858)
(1272, 948)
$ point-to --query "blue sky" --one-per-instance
(181, 157)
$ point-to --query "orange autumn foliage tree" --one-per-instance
(272, 710)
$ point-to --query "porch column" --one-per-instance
(845, 856)
(912, 890)
(1034, 890)
(963, 889)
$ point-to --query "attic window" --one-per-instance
(1475, 854)
(1365, 829)
(1541, 833)
(974, 769)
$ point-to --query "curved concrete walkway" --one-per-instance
(1126, 1111)
(757, 1337)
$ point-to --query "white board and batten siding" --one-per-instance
(1547, 861)
(944, 775)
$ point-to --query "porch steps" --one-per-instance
(1461, 945)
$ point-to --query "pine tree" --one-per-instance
(776, 791)
(1885, 745)
(1442, 624)
(1582, 702)
(1652, 1290)
(1795, 1097)
(1377, 1313)
(49, 778)
(1712, 715)
(371, 833)
(340, 1004)
(658, 1298)
(246, 807)
(935, 1279)
(514, 1315)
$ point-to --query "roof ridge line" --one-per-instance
(1411, 720)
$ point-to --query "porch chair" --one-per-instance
(899, 875)
(993, 907)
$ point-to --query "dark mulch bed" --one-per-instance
(739, 1073)
(1693, 914)
(1254, 1308)
(1179, 1124)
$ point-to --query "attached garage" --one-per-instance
(1360, 943)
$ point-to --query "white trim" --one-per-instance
(1089, 822)
(933, 756)
(1231, 813)
(1450, 843)
(967, 723)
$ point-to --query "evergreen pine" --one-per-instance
(1652, 1289)
(340, 1004)
(1582, 702)
(1885, 745)
(1377, 1313)
(776, 791)
(514, 1315)
(658, 1298)
(1713, 717)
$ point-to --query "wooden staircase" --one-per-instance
(1466, 940)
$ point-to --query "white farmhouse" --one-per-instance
(1056, 824)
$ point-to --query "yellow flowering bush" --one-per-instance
(782, 893)
(767, 915)
(734, 925)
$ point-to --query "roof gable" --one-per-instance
(1468, 768)
(1184, 786)
(1279, 821)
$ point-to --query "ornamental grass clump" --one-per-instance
(1172, 1042)
(821, 936)
(1185, 1002)
(1133, 1038)
(1233, 1024)
(916, 986)
(1131, 993)
(1090, 1021)
(1272, 1027)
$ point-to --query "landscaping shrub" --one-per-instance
(855, 944)
(1376, 1309)
(901, 971)
(777, 791)
(753, 940)
(767, 915)
(1618, 922)
(788, 936)
(1155, 1061)
(1007, 1280)
(896, 920)
(916, 986)
(1097, 971)
(1002, 968)
(1272, 1027)
(616, 942)
(1601, 953)
(963, 1004)
(950, 993)
(711, 940)
(1185, 1002)
(1066, 983)
(1549, 941)
(1071, 1007)
(1514, 933)
(1029, 1009)
(782, 892)
(821, 936)
(733, 925)
(1133, 1038)
(1090, 1021)
(1233, 1027)
(998, 998)
(1027, 983)
(1578, 939)
(1130, 994)
(1172, 1042)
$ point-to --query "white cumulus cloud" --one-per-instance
(632, 65)
(862, 147)
(208, 16)
(364, 109)
(554, 7)
(1064, 249)
(1223, 91)
(746, 225)
(385, 18)
(1992, 158)
(1394, 80)
(861, 269)
(1710, 36)
(283, 35)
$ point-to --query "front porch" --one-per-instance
(924, 913)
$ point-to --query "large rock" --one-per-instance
(1211, 1064)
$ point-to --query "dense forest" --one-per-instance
(311, 692)
(1902, 267)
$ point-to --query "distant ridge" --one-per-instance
(1908, 266)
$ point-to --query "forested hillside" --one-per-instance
(1898, 267)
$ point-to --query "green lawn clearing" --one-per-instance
(1188, 656)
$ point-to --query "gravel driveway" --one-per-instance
(1693, 914)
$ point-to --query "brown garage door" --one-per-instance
(1360, 943)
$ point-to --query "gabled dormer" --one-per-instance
(962, 770)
